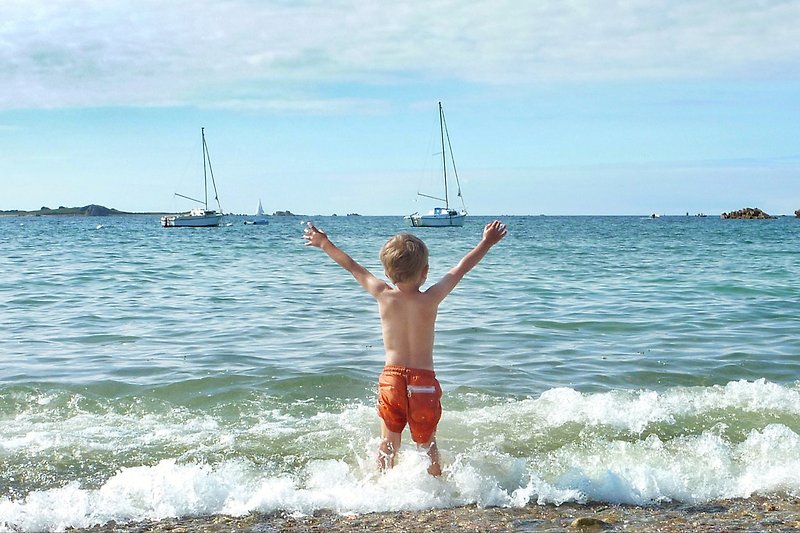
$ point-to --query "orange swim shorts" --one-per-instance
(410, 396)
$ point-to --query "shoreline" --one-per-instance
(758, 513)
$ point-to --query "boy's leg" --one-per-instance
(390, 445)
(435, 468)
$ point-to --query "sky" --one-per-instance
(568, 107)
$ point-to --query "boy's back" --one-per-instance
(408, 390)
(407, 318)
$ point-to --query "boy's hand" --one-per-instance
(314, 236)
(494, 232)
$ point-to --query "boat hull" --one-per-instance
(191, 221)
(439, 220)
(257, 222)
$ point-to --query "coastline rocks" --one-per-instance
(797, 213)
(747, 213)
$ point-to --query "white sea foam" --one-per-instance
(700, 468)
(635, 411)
(622, 446)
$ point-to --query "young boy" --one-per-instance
(408, 389)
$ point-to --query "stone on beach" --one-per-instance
(588, 522)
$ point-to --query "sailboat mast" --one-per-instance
(444, 156)
(205, 178)
(453, 162)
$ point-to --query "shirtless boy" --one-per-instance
(408, 389)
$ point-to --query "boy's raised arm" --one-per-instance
(365, 278)
(493, 233)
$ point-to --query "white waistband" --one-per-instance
(421, 388)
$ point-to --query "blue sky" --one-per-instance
(320, 107)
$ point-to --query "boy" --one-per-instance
(408, 391)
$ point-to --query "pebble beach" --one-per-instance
(752, 515)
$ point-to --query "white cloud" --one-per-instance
(304, 106)
(203, 52)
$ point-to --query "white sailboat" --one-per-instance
(198, 217)
(442, 216)
(260, 218)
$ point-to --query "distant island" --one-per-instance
(91, 210)
(94, 210)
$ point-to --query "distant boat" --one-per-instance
(441, 216)
(260, 217)
(198, 217)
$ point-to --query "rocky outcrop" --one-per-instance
(747, 213)
(797, 213)
(93, 210)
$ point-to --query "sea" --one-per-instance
(148, 373)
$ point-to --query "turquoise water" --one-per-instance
(150, 372)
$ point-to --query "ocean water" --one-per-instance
(147, 372)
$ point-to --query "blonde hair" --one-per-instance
(404, 257)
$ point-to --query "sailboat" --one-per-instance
(198, 217)
(260, 216)
(442, 216)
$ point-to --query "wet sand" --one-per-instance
(752, 515)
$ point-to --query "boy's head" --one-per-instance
(404, 258)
